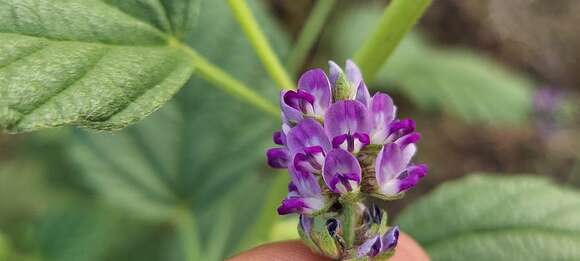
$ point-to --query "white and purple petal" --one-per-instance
(300, 206)
(410, 178)
(370, 248)
(346, 123)
(304, 196)
(308, 133)
(334, 72)
(316, 83)
(290, 115)
(390, 239)
(362, 94)
(342, 172)
(353, 74)
(308, 144)
(391, 161)
(381, 115)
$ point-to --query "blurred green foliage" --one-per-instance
(190, 180)
(461, 82)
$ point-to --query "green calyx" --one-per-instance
(343, 90)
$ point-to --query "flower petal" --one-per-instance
(342, 172)
(293, 205)
(390, 162)
(334, 72)
(279, 138)
(317, 84)
(362, 94)
(278, 157)
(290, 115)
(308, 133)
(346, 117)
(390, 239)
(353, 74)
(411, 177)
(305, 182)
(381, 115)
(371, 247)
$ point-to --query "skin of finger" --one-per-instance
(407, 250)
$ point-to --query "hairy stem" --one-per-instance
(250, 26)
(309, 34)
(399, 17)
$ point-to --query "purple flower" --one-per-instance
(304, 196)
(308, 145)
(311, 99)
(393, 173)
(379, 244)
(346, 123)
(333, 135)
(342, 172)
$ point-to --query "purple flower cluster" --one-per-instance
(338, 142)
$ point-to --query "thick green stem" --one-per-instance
(399, 17)
(258, 40)
(309, 34)
(226, 82)
(186, 228)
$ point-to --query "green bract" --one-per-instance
(497, 218)
(88, 63)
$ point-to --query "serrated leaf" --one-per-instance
(461, 82)
(84, 62)
(497, 218)
(204, 150)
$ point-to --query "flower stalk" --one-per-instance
(399, 17)
(262, 47)
(225, 81)
(309, 34)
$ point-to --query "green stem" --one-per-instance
(258, 40)
(268, 216)
(309, 34)
(186, 227)
(399, 17)
(226, 82)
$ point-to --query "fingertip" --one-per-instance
(279, 251)
(409, 250)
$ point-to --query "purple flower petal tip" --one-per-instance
(316, 83)
(279, 138)
(277, 158)
(291, 205)
(390, 239)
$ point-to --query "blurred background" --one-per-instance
(492, 84)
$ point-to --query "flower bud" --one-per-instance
(324, 237)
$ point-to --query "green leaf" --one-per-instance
(461, 82)
(203, 150)
(87, 63)
(497, 218)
